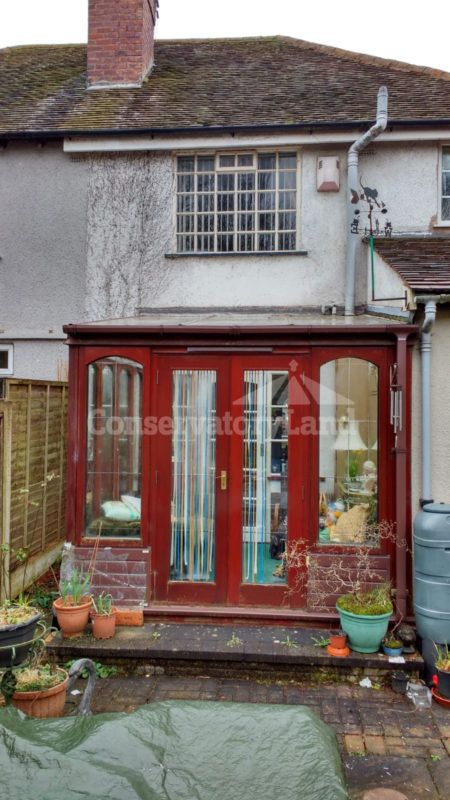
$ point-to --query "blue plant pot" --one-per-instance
(365, 631)
(392, 651)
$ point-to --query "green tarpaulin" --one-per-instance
(172, 751)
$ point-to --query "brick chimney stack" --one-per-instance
(120, 42)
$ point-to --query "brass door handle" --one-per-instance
(223, 480)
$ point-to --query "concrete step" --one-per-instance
(170, 648)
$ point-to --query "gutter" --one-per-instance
(352, 186)
(438, 122)
(430, 301)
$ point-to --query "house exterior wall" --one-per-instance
(131, 232)
(43, 253)
(440, 414)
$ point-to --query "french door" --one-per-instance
(228, 489)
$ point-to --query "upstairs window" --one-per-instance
(237, 203)
(445, 197)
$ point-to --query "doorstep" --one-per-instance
(232, 649)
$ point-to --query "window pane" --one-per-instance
(265, 476)
(185, 244)
(266, 242)
(446, 183)
(205, 244)
(266, 200)
(205, 182)
(185, 224)
(225, 222)
(225, 243)
(193, 476)
(205, 164)
(185, 202)
(286, 221)
(246, 180)
(225, 183)
(225, 202)
(267, 161)
(287, 180)
(205, 202)
(246, 242)
(446, 208)
(287, 200)
(266, 222)
(246, 222)
(286, 241)
(185, 164)
(205, 222)
(266, 180)
(246, 202)
(446, 158)
(113, 462)
(348, 450)
(227, 161)
(287, 161)
(245, 160)
(185, 183)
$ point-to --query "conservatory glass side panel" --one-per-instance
(113, 463)
(193, 525)
(265, 474)
(348, 451)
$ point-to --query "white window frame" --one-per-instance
(216, 154)
(9, 370)
(444, 223)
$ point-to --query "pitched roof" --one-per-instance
(422, 263)
(214, 83)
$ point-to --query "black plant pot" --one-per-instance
(399, 681)
(443, 683)
(13, 637)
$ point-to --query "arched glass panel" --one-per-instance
(348, 450)
(113, 464)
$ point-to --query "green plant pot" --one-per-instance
(365, 631)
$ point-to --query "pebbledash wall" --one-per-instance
(131, 232)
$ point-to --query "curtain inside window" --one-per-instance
(193, 475)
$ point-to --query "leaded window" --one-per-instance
(237, 202)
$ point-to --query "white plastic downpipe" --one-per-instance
(430, 302)
(353, 186)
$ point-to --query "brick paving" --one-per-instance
(384, 741)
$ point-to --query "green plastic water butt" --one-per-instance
(172, 751)
(432, 572)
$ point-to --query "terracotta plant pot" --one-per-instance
(103, 625)
(338, 640)
(72, 619)
(45, 703)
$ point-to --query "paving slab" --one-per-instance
(410, 776)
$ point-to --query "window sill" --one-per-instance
(270, 254)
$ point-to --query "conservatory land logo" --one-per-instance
(194, 413)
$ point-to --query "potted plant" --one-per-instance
(364, 616)
(442, 665)
(73, 607)
(391, 645)
(103, 616)
(40, 690)
(18, 623)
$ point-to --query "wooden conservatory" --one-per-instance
(213, 442)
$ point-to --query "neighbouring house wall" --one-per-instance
(43, 252)
(131, 231)
(440, 414)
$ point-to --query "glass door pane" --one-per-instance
(192, 544)
(265, 476)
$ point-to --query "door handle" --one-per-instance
(223, 480)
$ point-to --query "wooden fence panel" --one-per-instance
(36, 467)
